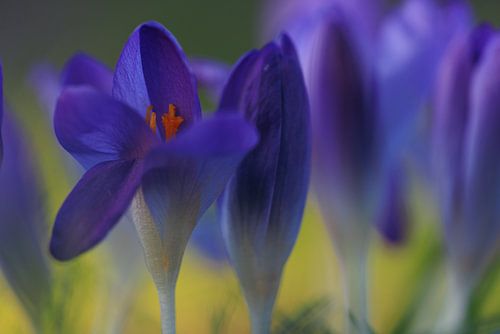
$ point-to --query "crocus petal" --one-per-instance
(82, 69)
(187, 174)
(393, 220)
(211, 75)
(94, 206)
(343, 116)
(452, 103)
(153, 70)
(264, 202)
(238, 81)
(267, 194)
(411, 44)
(23, 258)
(481, 231)
(94, 127)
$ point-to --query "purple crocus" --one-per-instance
(264, 202)
(82, 69)
(367, 84)
(466, 164)
(23, 258)
(146, 145)
(382, 78)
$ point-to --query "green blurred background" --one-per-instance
(51, 31)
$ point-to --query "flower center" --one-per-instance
(169, 120)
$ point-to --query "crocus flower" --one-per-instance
(466, 163)
(82, 69)
(264, 202)
(23, 258)
(146, 145)
(366, 88)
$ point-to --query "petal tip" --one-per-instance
(59, 251)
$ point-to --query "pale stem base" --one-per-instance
(455, 304)
(352, 242)
(166, 296)
(261, 317)
(355, 294)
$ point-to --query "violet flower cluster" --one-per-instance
(336, 98)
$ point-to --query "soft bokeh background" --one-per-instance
(208, 294)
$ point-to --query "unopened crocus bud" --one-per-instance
(466, 163)
(264, 201)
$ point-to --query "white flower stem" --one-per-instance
(166, 296)
(163, 254)
(455, 303)
(355, 293)
(261, 316)
(351, 241)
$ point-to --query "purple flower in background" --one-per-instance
(1, 113)
(207, 238)
(145, 143)
(292, 15)
(210, 75)
(263, 204)
(23, 258)
(375, 83)
(395, 209)
(368, 76)
(466, 138)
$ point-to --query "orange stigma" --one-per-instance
(171, 122)
(152, 122)
(151, 118)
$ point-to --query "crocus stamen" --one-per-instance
(171, 122)
(152, 122)
(151, 118)
(148, 114)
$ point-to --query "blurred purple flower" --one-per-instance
(263, 204)
(466, 163)
(207, 238)
(45, 81)
(465, 142)
(394, 211)
(211, 75)
(289, 15)
(1, 113)
(367, 83)
(23, 258)
(367, 76)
